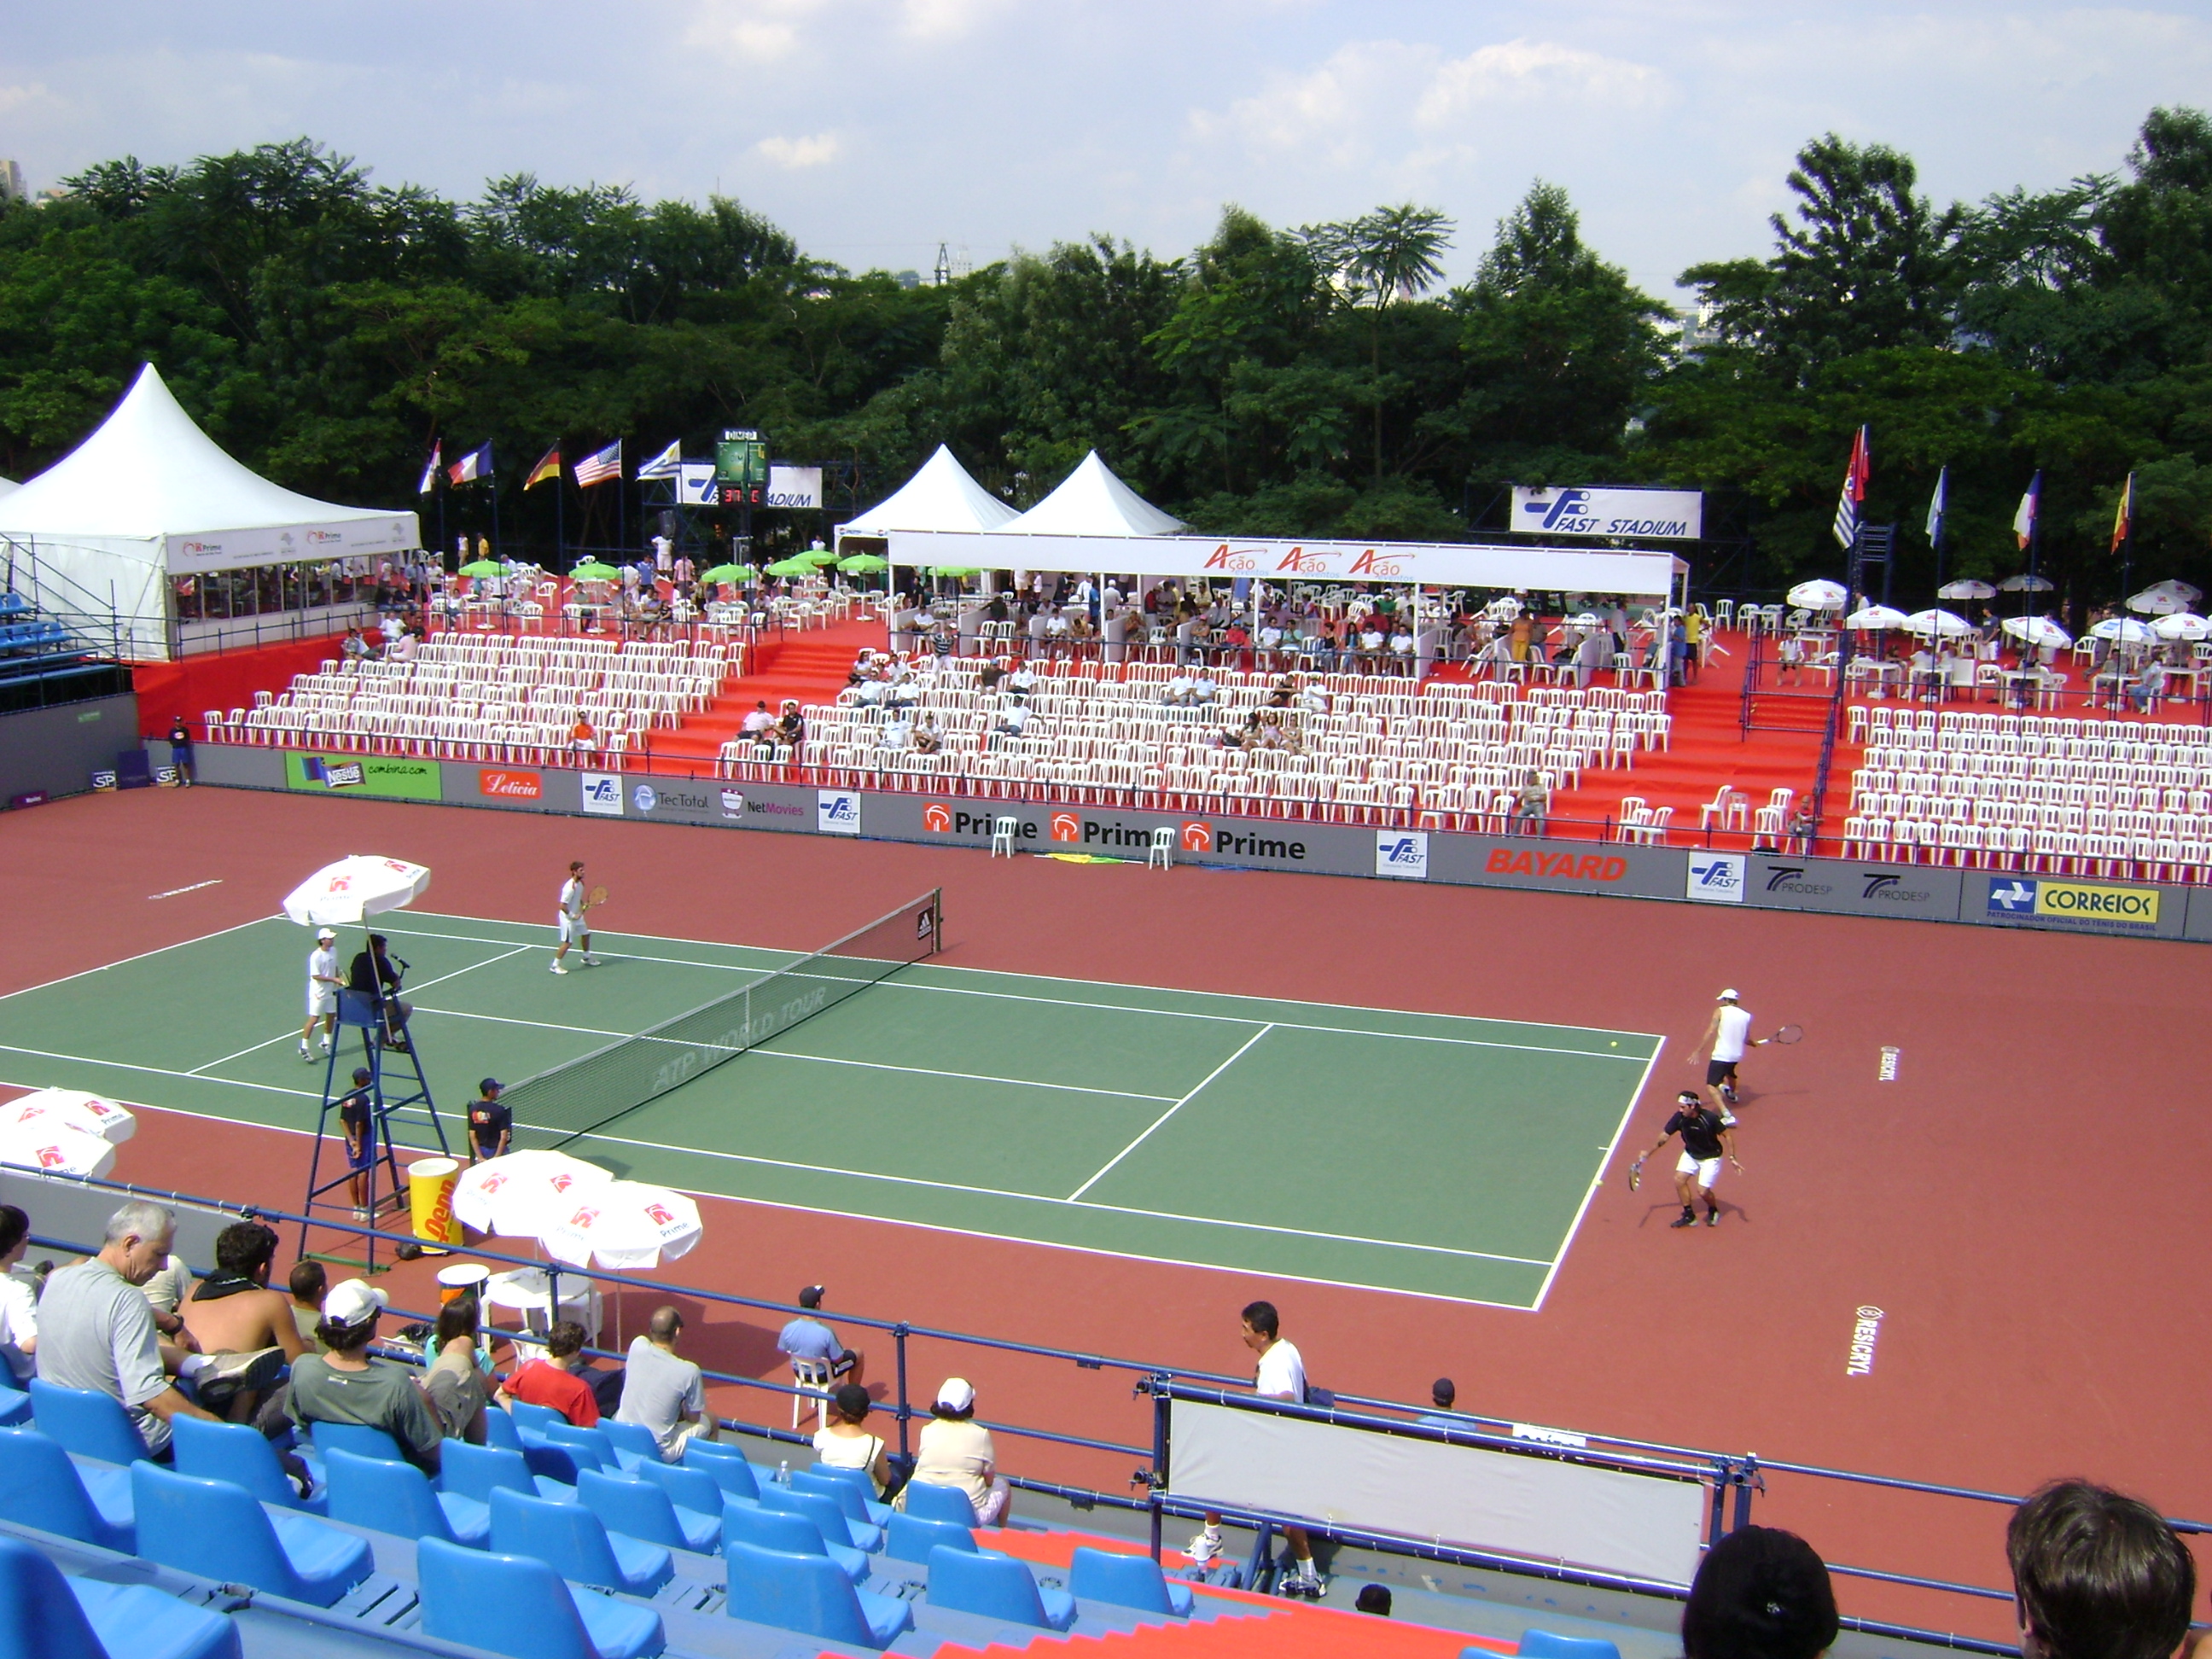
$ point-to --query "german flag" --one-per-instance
(548, 466)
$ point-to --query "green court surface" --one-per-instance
(1426, 1153)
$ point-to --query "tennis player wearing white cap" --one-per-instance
(323, 983)
(1728, 1034)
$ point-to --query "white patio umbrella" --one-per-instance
(523, 1193)
(1937, 622)
(2125, 629)
(54, 1147)
(354, 889)
(1965, 588)
(1582, 619)
(1819, 594)
(2038, 630)
(2164, 599)
(2024, 583)
(623, 1226)
(1877, 617)
(71, 1109)
(2181, 625)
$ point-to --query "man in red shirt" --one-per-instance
(552, 1382)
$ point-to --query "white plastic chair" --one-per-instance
(1162, 854)
(812, 1379)
(1003, 831)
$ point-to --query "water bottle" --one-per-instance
(783, 1473)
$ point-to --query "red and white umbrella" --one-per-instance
(523, 1193)
(623, 1226)
(53, 1147)
(71, 1109)
(354, 889)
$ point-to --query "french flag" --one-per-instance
(477, 464)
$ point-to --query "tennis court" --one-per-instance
(1433, 1154)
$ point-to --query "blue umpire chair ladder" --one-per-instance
(400, 1094)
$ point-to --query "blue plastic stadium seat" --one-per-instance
(14, 1407)
(940, 1504)
(1542, 1644)
(810, 1594)
(589, 1447)
(697, 1491)
(571, 1540)
(826, 1515)
(995, 1586)
(358, 1438)
(850, 1489)
(216, 1530)
(41, 1488)
(633, 1442)
(239, 1454)
(501, 1430)
(1128, 1581)
(397, 1499)
(537, 1417)
(514, 1605)
(45, 1615)
(467, 1471)
(87, 1422)
(787, 1534)
(729, 1467)
(910, 1538)
(631, 1504)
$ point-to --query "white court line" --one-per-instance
(86, 972)
(161, 1071)
(1168, 1114)
(1597, 1180)
(1085, 1204)
(194, 888)
(199, 1071)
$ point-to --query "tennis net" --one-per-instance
(580, 1094)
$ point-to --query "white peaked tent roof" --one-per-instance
(8, 486)
(940, 496)
(148, 473)
(1092, 503)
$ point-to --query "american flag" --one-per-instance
(1855, 483)
(598, 469)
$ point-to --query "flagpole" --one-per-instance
(621, 489)
(560, 518)
(494, 512)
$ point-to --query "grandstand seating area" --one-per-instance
(493, 697)
(1448, 753)
(46, 660)
(2033, 793)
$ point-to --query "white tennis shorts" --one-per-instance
(572, 929)
(1707, 1170)
(321, 999)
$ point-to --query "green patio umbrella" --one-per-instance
(483, 568)
(955, 570)
(818, 555)
(791, 567)
(592, 571)
(730, 573)
(863, 564)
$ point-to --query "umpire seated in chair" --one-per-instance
(374, 978)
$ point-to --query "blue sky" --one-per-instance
(873, 129)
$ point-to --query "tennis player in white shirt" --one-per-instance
(324, 982)
(574, 919)
(1728, 1034)
(1281, 1375)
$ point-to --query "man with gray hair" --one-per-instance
(96, 1331)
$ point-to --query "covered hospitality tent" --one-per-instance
(1092, 501)
(940, 496)
(149, 520)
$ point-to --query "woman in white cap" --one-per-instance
(323, 983)
(348, 1385)
(956, 1451)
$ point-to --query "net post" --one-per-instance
(936, 921)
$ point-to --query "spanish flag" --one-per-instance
(548, 466)
(2124, 519)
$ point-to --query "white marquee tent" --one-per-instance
(940, 496)
(1092, 501)
(149, 497)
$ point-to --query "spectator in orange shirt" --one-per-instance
(552, 1382)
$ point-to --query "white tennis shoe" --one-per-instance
(559, 968)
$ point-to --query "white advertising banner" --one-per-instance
(793, 486)
(1648, 1527)
(343, 538)
(1660, 514)
(1625, 571)
(694, 484)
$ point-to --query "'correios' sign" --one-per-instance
(1665, 514)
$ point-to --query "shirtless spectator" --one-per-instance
(309, 1284)
(245, 1329)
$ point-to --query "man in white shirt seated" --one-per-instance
(872, 692)
(897, 735)
(1021, 682)
(1181, 687)
(1013, 722)
(1271, 637)
(904, 693)
(1203, 689)
(1313, 699)
(756, 721)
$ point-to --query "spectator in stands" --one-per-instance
(1442, 1395)
(582, 740)
(928, 736)
(1804, 829)
(992, 673)
(456, 1383)
(19, 1300)
(757, 722)
(96, 1328)
(1763, 1594)
(1181, 687)
(791, 726)
(1791, 656)
(180, 751)
(1021, 682)
(353, 647)
(843, 1440)
(346, 1384)
(1205, 689)
(662, 1391)
(1374, 1599)
(1013, 722)
(1401, 648)
(245, 1329)
(309, 1284)
(2148, 686)
(1281, 1375)
(897, 733)
(2097, 1575)
(1313, 699)
(552, 1382)
(1531, 803)
(402, 649)
(811, 1340)
(955, 1450)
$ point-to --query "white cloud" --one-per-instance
(1529, 70)
(946, 20)
(791, 154)
(750, 31)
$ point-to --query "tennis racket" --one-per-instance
(1636, 1175)
(598, 896)
(1786, 1036)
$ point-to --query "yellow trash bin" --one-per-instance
(430, 1182)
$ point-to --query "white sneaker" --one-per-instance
(591, 962)
(1203, 1549)
(559, 968)
(304, 1055)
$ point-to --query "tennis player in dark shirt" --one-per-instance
(1706, 1141)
